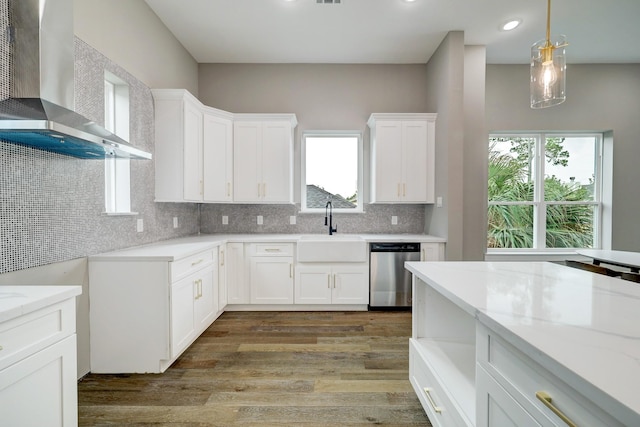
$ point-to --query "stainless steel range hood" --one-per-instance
(40, 109)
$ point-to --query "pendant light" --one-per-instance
(548, 69)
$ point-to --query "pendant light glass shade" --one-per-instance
(548, 73)
(548, 69)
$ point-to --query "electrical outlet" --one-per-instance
(259, 219)
(175, 222)
(292, 220)
(140, 225)
(439, 201)
(394, 220)
(225, 220)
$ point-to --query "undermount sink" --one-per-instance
(331, 248)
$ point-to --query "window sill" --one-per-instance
(533, 256)
(120, 213)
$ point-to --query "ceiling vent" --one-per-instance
(328, 1)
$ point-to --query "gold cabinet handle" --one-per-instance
(398, 189)
(404, 189)
(197, 262)
(258, 190)
(272, 250)
(228, 189)
(548, 402)
(290, 270)
(328, 281)
(264, 189)
(436, 408)
(221, 258)
(335, 279)
(0, 348)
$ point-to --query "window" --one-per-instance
(544, 191)
(331, 171)
(117, 170)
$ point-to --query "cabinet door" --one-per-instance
(414, 159)
(495, 407)
(237, 285)
(313, 285)
(217, 159)
(276, 162)
(206, 298)
(271, 280)
(247, 173)
(183, 294)
(387, 165)
(192, 152)
(41, 390)
(431, 252)
(350, 285)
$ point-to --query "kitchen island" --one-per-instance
(527, 343)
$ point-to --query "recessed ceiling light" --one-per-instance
(511, 24)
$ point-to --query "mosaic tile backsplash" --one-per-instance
(52, 206)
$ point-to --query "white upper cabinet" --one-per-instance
(263, 158)
(217, 156)
(402, 158)
(193, 149)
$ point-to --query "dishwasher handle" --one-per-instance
(394, 247)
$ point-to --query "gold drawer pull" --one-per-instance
(0, 348)
(272, 250)
(197, 262)
(427, 392)
(547, 401)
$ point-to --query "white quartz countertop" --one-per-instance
(171, 250)
(621, 258)
(16, 301)
(584, 327)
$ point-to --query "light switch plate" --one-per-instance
(394, 220)
(140, 225)
(175, 222)
(259, 219)
(225, 220)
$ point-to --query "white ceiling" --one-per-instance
(396, 31)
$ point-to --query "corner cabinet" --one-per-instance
(193, 149)
(263, 158)
(402, 157)
(145, 311)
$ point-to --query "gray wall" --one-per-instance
(600, 97)
(445, 71)
(323, 97)
(131, 35)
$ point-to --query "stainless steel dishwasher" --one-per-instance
(389, 281)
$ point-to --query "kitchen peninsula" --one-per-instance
(526, 343)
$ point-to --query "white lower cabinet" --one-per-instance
(332, 284)
(237, 286)
(271, 273)
(145, 313)
(38, 367)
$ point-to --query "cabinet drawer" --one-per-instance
(28, 334)
(271, 249)
(186, 266)
(431, 394)
(523, 378)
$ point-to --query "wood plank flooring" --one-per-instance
(271, 369)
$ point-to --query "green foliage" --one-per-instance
(512, 226)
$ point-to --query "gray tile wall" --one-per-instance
(51, 206)
(375, 219)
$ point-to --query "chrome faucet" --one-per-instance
(329, 208)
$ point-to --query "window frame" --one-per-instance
(117, 171)
(303, 169)
(539, 204)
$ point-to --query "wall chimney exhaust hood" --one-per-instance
(40, 109)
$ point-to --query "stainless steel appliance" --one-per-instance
(389, 281)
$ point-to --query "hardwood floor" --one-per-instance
(271, 369)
